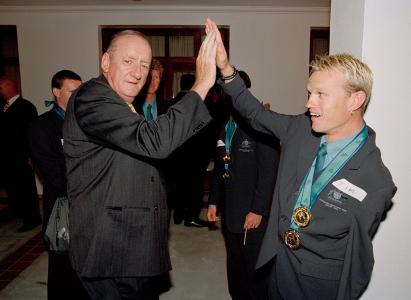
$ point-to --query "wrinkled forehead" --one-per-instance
(132, 45)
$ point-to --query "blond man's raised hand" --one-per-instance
(221, 54)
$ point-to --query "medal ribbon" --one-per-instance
(230, 129)
(309, 190)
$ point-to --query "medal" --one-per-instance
(227, 175)
(226, 158)
(292, 239)
(302, 216)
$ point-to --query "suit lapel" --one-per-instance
(355, 163)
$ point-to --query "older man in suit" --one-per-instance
(332, 187)
(118, 212)
(18, 173)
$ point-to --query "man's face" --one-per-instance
(5, 87)
(127, 66)
(155, 81)
(63, 94)
(329, 104)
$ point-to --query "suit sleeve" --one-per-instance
(108, 121)
(359, 258)
(261, 119)
(267, 165)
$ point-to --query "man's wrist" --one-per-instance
(227, 77)
(227, 70)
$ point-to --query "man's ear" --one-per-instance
(56, 92)
(357, 100)
(105, 62)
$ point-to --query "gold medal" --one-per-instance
(227, 175)
(292, 239)
(226, 158)
(302, 216)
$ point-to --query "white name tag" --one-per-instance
(220, 143)
(350, 189)
(62, 142)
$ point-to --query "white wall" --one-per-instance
(385, 44)
(272, 45)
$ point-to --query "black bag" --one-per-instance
(57, 231)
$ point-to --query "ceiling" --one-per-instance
(269, 3)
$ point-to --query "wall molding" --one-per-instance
(168, 9)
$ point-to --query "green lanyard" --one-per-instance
(230, 129)
(309, 190)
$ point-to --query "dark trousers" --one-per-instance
(273, 291)
(63, 282)
(187, 197)
(124, 288)
(244, 282)
(22, 194)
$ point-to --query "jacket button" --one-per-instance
(155, 207)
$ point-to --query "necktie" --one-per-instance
(131, 107)
(149, 113)
(6, 106)
(321, 154)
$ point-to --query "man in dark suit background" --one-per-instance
(46, 144)
(118, 212)
(333, 188)
(188, 176)
(18, 173)
(245, 169)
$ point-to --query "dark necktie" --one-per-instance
(321, 154)
(149, 113)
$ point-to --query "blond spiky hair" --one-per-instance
(357, 74)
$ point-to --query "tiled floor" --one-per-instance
(197, 255)
(17, 250)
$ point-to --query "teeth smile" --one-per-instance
(315, 115)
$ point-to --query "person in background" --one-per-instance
(333, 188)
(186, 82)
(187, 180)
(147, 102)
(18, 173)
(46, 144)
(118, 210)
(245, 168)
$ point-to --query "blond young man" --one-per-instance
(332, 188)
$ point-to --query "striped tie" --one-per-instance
(321, 154)
(132, 107)
(149, 116)
(6, 106)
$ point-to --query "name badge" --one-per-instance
(62, 141)
(350, 189)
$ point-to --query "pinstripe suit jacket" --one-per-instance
(335, 260)
(118, 212)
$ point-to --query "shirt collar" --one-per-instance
(12, 99)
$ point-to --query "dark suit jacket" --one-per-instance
(335, 260)
(13, 127)
(253, 166)
(46, 144)
(118, 213)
